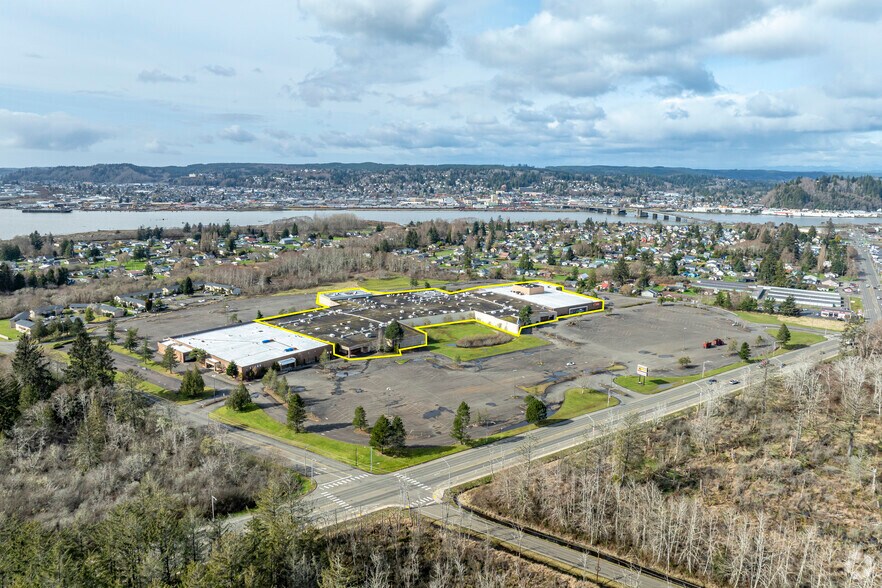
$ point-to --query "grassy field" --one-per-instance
(8, 331)
(856, 303)
(656, 384)
(790, 321)
(442, 340)
(798, 339)
(397, 283)
(149, 364)
(577, 401)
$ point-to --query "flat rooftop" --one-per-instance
(360, 316)
(550, 298)
(249, 343)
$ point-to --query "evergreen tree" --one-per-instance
(397, 436)
(744, 352)
(169, 359)
(10, 399)
(131, 341)
(536, 410)
(788, 307)
(111, 330)
(232, 370)
(31, 372)
(359, 419)
(296, 413)
(91, 436)
(380, 433)
(394, 333)
(239, 399)
(525, 315)
(461, 423)
(783, 335)
(146, 352)
(187, 286)
(621, 273)
(192, 384)
(89, 315)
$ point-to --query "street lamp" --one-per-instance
(704, 363)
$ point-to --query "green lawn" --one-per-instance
(856, 303)
(443, 340)
(577, 402)
(799, 339)
(8, 331)
(149, 364)
(654, 384)
(257, 420)
(397, 283)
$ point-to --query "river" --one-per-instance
(15, 222)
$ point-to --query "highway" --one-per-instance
(872, 308)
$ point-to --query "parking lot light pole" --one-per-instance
(704, 363)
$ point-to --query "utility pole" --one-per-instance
(213, 500)
(372, 460)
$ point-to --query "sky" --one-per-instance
(786, 84)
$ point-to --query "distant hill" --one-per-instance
(748, 175)
(828, 193)
(126, 173)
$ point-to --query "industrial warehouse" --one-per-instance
(351, 324)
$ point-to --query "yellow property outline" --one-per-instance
(422, 329)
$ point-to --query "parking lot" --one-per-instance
(426, 388)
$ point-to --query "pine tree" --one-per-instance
(744, 352)
(536, 410)
(621, 273)
(91, 436)
(783, 335)
(380, 433)
(131, 341)
(397, 436)
(359, 419)
(296, 413)
(525, 315)
(10, 399)
(239, 399)
(169, 359)
(31, 371)
(192, 384)
(461, 422)
(232, 370)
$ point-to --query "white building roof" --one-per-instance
(249, 343)
(550, 298)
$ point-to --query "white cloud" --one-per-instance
(408, 22)
(52, 132)
(220, 70)
(237, 134)
(157, 76)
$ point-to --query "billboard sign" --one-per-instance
(642, 370)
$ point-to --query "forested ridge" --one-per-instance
(828, 193)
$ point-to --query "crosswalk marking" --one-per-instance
(343, 481)
(411, 481)
(337, 501)
(421, 502)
